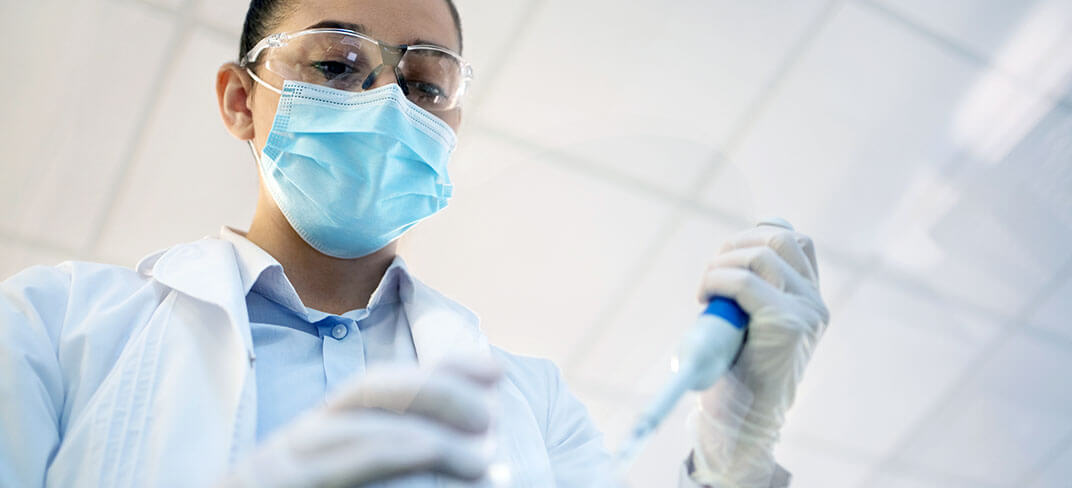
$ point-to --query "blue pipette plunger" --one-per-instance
(706, 352)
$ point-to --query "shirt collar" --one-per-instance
(260, 272)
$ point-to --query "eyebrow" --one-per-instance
(335, 24)
(429, 43)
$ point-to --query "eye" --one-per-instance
(429, 88)
(421, 91)
(332, 69)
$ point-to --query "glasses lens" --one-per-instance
(435, 80)
(335, 60)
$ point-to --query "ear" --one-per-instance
(233, 86)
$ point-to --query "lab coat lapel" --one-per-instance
(208, 271)
(440, 326)
(182, 380)
(444, 328)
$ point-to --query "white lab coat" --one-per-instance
(116, 377)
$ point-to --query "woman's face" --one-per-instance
(391, 21)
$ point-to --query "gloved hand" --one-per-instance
(390, 422)
(771, 271)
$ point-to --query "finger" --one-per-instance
(776, 222)
(380, 446)
(482, 369)
(750, 291)
(755, 236)
(808, 247)
(442, 396)
(387, 387)
(786, 243)
(455, 401)
(766, 263)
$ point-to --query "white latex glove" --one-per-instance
(391, 422)
(771, 272)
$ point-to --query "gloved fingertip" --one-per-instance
(477, 419)
(775, 221)
(466, 457)
(489, 370)
(480, 368)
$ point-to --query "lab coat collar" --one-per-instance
(253, 261)
(261, 272)
(210, 270)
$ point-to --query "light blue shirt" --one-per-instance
(303, 354)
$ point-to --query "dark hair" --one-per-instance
(263, 15)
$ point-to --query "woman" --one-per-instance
(241, 360)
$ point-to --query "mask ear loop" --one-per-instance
(253, 149)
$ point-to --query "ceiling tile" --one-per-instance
(865, 116)
(1012, 412)
(814, 467)
(191, 176)
(885, 360)
(1031, 39)
(65, 138)
(658, 162)
(646, 328)
(172, 4)
(1007, 228)
(227, 15)
(1057, 472)
(1055, 313)
(482, 159)
(836, 275)
(663, 71)
(730, 193)
(905, 479)
(15, 257)
(537, 251)
(488, 29)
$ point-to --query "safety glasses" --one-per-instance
(432, 77)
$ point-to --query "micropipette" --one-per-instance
(706, 352)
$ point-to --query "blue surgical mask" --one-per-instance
(354, 171)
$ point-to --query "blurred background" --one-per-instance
(609, 148)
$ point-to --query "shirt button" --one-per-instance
(339, 331)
